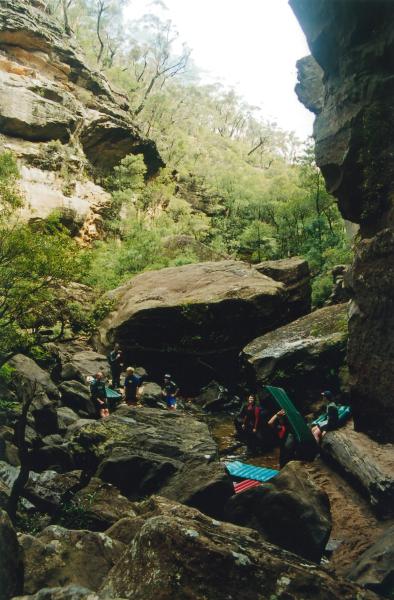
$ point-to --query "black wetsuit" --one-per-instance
(115, 363)
(98, 392)
(131, 384)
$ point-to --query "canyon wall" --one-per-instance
(61, 118)
(349, 84)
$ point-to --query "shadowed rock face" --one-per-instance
(353, 44)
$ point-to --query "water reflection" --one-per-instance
(230, 448)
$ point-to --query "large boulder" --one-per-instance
(192, 318)
(58, 556)
(47, 490)
(66, 417)
(289, 511)
(295, 274)
(151, 395)
(83, 364)
(102, 504)
(304, 357)
(190, 555)
(26, 368)
(11, 565)
(354, 132)
(203, 486)
(76, 395)
(213, 397)
(374, 569)
(139, 449)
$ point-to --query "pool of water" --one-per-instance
(230, 448)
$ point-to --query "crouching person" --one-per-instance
(99, 395)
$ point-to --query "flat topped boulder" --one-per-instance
(139, 449)
(295, 274)
(200, 310)
(287, 270)
(304, 356)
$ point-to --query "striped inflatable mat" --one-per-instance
(244, 471)
(244, 485)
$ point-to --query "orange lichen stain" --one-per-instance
(16, 69)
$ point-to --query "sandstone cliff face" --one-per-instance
(61, 118)
(351, 91)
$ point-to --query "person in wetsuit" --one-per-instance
(169, 391)
(99, 395)
(115, 360)
(332, 417)
(131, 384)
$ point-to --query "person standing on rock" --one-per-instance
(132, 383)
(99, 395)
(170, 391)
(115, 359)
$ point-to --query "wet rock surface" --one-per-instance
(311, 349)
(354, 123)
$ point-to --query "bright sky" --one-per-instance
(252, 45)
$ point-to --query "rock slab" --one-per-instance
(304, 356)
(179, 553)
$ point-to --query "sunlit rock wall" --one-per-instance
(351, 91)
(60, 117)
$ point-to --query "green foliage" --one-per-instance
(35, 262)
(74, 513)
(6, 372)
(233, 182)
(30, 522)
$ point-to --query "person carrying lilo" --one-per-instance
(99, 395)
(132, 383)
(170, 391)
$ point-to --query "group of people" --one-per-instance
(131, 388)
(255, 418)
